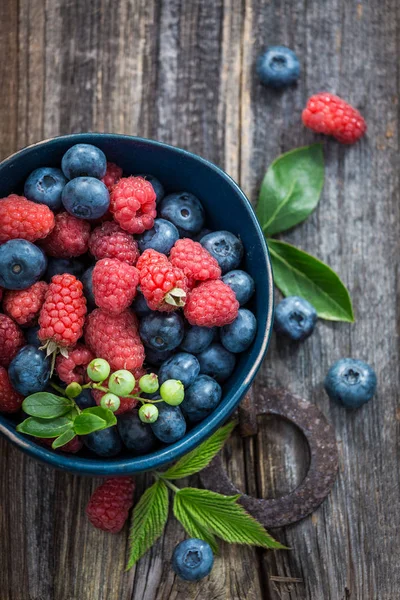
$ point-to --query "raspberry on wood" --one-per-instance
(10, 400)
(69, 238)
(24, 305)
(112, 176)
(194, 260)
(210, 304)
(109, 506)
(110, 241)
(133, 204)
(163, 285)
(114, 284)
(73, 367)
(22, 219)
(11, 340)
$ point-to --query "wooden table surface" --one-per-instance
(183, 72)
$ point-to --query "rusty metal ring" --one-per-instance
(321, 474)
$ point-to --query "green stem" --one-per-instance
(97, 386)
(58, 388)
(171, 486)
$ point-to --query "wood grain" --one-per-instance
(183, 72)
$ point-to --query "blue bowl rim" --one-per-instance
(125, 466)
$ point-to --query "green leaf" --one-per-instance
(104, 413)
(297, 273)
(87, 423)
(45, 428)
(148, 520)
(191, 523)
(63, 439)
(225, 518)
(46, 405)
(200, 457)
(291, 189)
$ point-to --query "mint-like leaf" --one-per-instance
(45, 428)
(148, 520)
(191, 523)
(46, 405)
(63, 439)
(86, 423)
(200, 457)
(297, 273)
(291, 189)
(104, 413)
(225, 518)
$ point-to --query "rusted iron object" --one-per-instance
(322, 470)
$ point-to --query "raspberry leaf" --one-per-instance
(291, 189)
(46, 405)
(297, 273)
(148, 520)
(224, 517)
(191, 523)
(45, 428)
(200, 457)
(63, 439)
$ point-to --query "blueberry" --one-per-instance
(237, 336)
(170, 425)
(86, 198)
(350, 382)
(84, 160)
(136, 436)
(225, 247)
(278, 67)
(241, 283)
(295, 317)
(140, 306)
(192, 559)
(58, 266)
(85, 399)
(88, 287)
(31, 336)
(162, 331)
(44, 186)
(197, 338)
(105, 442)
(182, 366)
(184, 210)
(201, 398)
(21, 264)
(217, 362)
(161, 237)
(157, 357)
(29, 371)
(157, 185)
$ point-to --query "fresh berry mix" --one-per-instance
(121, 307)
(278, 67)
(329, 114)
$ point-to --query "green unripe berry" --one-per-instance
(121, 382)
(98, 370)
(110, 401)
(172, 392)
(148, 413)
(149, 383)
(73, 389)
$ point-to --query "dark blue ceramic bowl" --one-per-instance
(227, 208)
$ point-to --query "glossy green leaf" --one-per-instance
(63, 439)
(46, 405)
(297, 273)
(104, 413)
(45, 428)
(86, 423)
(291, 189)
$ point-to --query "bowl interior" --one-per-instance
(226, 208)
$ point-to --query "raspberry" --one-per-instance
(194, 260)
(114, 284)
(72, 447)
(133, 204)
(112, 176)
(10, 400)
(212, 303)
(63, 312)
(163, 285)
(110, 241)
(73, 367)
(329, 114)
(1, 293)
(115, 338)
(21, 218)
(24, 305)
(11, 340)
(109, 506)
(69, 237)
